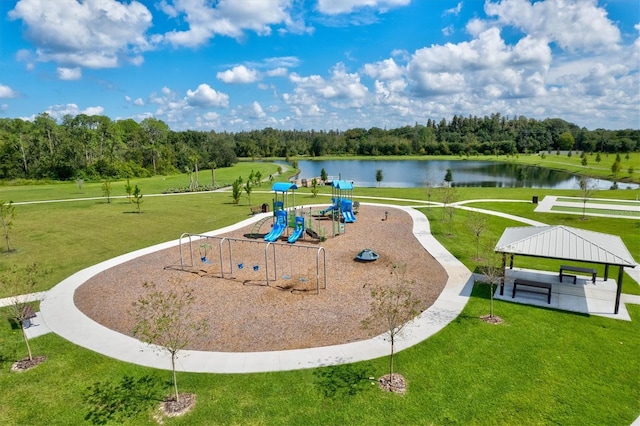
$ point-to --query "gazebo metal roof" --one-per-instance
(564, 242)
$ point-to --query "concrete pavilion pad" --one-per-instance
(583, 297)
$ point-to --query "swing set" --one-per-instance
(229, 267)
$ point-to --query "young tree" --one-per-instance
(129, 190)
(323, 175)
(137, 197)
(247, 189)
(236, 191)
(163, 318)
(258, 178)
(429, 188)
(393, 306)
(379, 176)
(448, 177)
(106, 190)
(20, 309)
(448, 194)
(314, 187)
(213, 174)
(491, 269)
(477, 224)
(615, 168)
(586, 192)
(7, 215)
(79, 183)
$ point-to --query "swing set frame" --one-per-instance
(225, 244)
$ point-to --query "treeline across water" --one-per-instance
(96, 147)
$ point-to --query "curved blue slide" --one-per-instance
(278, 227)
(297, 233)
(347, 211)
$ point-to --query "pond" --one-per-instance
(465, 173)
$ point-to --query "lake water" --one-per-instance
(466, 173)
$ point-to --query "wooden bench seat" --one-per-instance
(529, 283)
(570, 268)
(256, 209)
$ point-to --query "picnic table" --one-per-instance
(582, 269)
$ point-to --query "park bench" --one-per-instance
(256, 209)
(569, 268)
(529, 283)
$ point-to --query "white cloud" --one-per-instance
(84, 34)
(204, 96)
(335, 7)
(344, 89)
(484, 66)
(573, 24)
(7, 92)
(228, 18)
(384, 70)
(239, 74)
(454, 10)
(139, 102)
(277, 72)
(257, 110)
(59, 111)
(69, 73)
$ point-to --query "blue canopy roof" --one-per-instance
(283, 186)
(342, 184)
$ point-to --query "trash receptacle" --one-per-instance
(534, 200)
(265, 208)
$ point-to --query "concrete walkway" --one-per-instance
(63, 318)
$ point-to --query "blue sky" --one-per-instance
(231, 65)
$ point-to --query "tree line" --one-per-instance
(96, 147)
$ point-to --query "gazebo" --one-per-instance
(566, 243)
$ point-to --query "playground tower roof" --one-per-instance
(283, 186)
(342, 184)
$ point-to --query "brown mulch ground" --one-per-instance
(245, 315)
(27, 364)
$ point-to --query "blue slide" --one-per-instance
(335, 204)
(297, 233)
(278, 227)
(347, 211)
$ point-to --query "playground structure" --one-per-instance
(342, 206)
(270, 258)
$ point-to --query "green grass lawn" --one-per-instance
(541, 367)
(153, 185)
(631, 203)
(579, 210)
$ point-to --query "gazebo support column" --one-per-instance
(504, 265)
(606, 272)
(619, 290)
(511, 261)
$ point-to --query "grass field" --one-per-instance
(541, 367)
(589, 210)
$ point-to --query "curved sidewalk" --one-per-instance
(63, 318)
